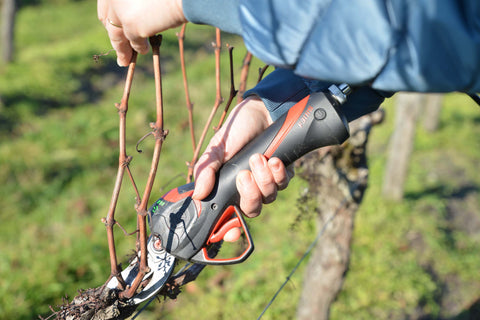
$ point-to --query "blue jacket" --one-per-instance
(388, 45)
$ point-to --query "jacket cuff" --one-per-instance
(222, 14)
(282, 89)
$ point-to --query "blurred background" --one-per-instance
(416, 257)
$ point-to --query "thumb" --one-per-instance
(204, 183)
(206, 168)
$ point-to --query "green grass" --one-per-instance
(58, 159)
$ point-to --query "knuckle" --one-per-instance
(270, 198)
(250, 210)
(251, 196)
(264, 179)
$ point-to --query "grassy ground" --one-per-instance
(58, 155)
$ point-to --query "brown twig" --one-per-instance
(261, 72)
(123, 162)
(244, 75)
(159, 135)
(233, 92)
(181, 38)
(218, 102)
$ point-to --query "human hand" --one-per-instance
(130, 23)
(267, 176)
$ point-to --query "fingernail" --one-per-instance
(274, 163)
(244, 178)
(257, 162)
(196, 192)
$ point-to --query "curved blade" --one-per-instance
(161, 265)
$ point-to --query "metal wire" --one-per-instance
(475, 97)
(307, 252)
(143, 308)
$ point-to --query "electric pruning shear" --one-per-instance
(184, 228)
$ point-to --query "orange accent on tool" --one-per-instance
(174, 196)
(223, 229)
(292, 116)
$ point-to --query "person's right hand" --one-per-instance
(130, 23)
(256, 186)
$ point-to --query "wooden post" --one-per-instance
(433, 108)
(401, 144)
(7, 29)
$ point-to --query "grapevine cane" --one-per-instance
(159, 135)
(233, 92)
(181, 38)
(123, 162)
(218, 101)
(243, 76)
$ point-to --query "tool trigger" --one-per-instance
(228, 221)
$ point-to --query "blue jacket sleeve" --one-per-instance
(281, 89)
(422, 45)
(223, 14)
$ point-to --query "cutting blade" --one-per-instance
(161, 265)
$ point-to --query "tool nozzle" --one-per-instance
(340, 92)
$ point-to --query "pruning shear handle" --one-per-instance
(186, 227)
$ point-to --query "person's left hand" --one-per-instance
(130, 23)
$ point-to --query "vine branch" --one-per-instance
(218, 102)
(244, 75)
(123, 162)
(233, 92)
(181, 49)
(159, 135)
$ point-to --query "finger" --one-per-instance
(138, 43)
(204, 183)
(263, 177)
(279, 172)
(122, 47)
(290, 172)
(232, 235)
(116, 34)
(102, 10)
(250, 195)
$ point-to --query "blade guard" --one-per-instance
(231, 218)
